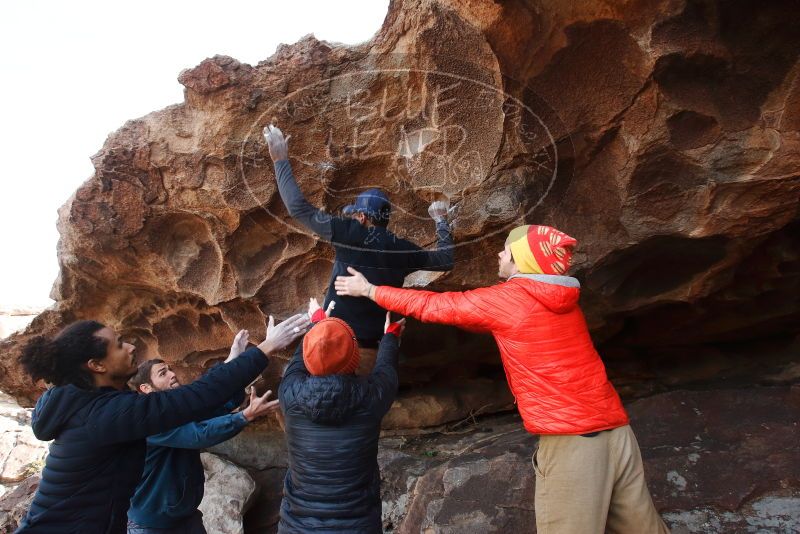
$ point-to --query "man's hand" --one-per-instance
(315, 313)
(396, 327)
(353, 286)
(281, 336)
(259, 406)
(239, 345)
(438, 210)
(278, 146)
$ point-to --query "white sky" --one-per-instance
(73, 72)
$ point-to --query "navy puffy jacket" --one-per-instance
(97, 455)
(332, 428)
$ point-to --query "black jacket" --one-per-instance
(382, 257)
(332, 428)
(98, 452)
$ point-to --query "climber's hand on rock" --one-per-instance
(315, 311)
(438, 210)
(281, 336)
(277, 144)
(239, 345)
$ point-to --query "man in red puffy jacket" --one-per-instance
(589, 473)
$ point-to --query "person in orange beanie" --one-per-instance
(332, 420)
(589, 472)
(331, 349)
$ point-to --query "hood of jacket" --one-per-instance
(57, 406)
(329, 400)
(558, 294)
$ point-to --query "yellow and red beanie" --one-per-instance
(540, 249)
(330, 348)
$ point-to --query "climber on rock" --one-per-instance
(332, 420)
(361, 239)
(99, 426)
(169, 493)
(589, 472)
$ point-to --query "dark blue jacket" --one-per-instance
(173, 480)
(98, 452)
(381, 256)
(332, 428)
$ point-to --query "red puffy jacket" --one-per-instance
(552, 367)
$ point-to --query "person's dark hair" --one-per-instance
(142, 375)
(384, 222)
(379, 219)
(61, 360)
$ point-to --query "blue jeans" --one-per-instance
(192, 525)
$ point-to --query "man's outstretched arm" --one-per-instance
(440, 259)
(204, 434)
(475, 310)
(299, 208)
(383, 380)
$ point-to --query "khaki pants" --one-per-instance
(596, 484)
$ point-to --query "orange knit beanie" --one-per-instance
(330, 348)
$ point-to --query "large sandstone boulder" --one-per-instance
(15, 503)
(16, 319)
(663, 135)
(228, 493)
(21, 454)
(716, 461)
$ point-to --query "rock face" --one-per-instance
(228, 492)
(716, 461)
(21, 454)
(664, 135)
(14, 320)
(14, 504)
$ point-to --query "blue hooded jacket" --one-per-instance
(96, 458)
(173, 481)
